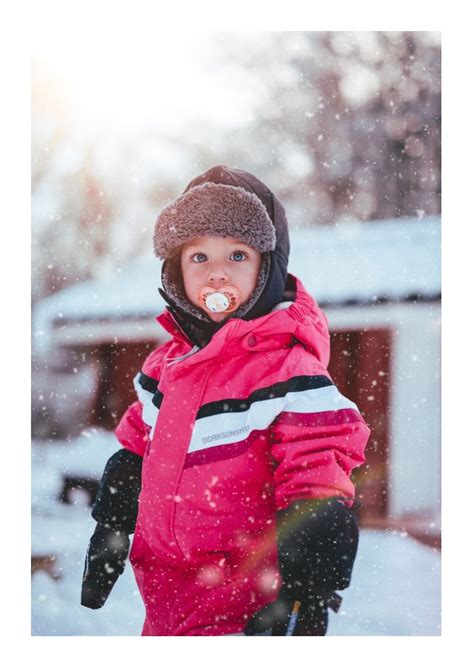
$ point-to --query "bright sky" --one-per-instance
(177, 79)
(171, 78)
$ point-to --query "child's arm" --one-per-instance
(132, 432)
(115, 511)
(317, 544)
(116, 506)
(317, 529)
(316, 453)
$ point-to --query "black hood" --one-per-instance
(200, 332)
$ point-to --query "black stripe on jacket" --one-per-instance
(295, 384)
(150, 384)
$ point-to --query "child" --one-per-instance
(234, 470)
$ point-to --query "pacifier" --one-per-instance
(225, 300)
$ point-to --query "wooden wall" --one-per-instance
(360, 367)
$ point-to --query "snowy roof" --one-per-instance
(390, 260)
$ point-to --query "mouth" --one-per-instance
(224, 300)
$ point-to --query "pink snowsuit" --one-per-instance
(229, 434)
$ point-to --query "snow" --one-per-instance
(395, 587)
(395, 590)
(132, 291)
(390, 259)
(81, 457)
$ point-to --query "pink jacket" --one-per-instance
(229, 434)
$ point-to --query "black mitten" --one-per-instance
(317, 545)
(115, 510)
(116, 503)
(105, 561)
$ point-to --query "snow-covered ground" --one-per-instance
(396, 585)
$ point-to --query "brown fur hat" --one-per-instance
(214, 209)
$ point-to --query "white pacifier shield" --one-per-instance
(217, 302)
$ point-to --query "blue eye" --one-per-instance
(238, 256)
(199, 258)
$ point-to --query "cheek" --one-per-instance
(189, 280)
(249, 280)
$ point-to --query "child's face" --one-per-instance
(217, 262)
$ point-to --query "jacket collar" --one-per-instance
(301, 320)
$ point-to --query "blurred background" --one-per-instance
(345, 128)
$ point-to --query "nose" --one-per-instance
(217, 275)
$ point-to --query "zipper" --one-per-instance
(193, 350)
